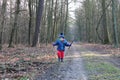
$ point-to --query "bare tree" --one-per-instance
(105, 31)
(38, 22)
(30, 20)
(17, 7)
(114, 23)
(3, 11)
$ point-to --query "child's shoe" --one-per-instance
(58, 59)
(61, 59)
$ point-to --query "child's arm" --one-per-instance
(67, 43)
(55, 43)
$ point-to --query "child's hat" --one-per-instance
(61, 35)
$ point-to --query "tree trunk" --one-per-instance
(55, 20)
(17, 7)
(114, 23)
(105, 31)
(30, 21)
(66, 17)
(2, 21)
(38, 21)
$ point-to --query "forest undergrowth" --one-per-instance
(25, 62)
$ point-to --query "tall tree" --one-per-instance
(30, 20)
(87, 5)
(38, 22)
(66, 17)
(55, 19)
(17, 7)
(105, 31)
(114, 23)
(50, 21)
(3, 11)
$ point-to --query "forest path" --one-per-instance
(71, 69)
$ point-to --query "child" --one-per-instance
(61, 42)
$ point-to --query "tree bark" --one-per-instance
(2, 21)
(38, 22)
(115, 34)
(30, 21)
(105, 31)
(17, 7)
(66, 17)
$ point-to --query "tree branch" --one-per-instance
(97, 27)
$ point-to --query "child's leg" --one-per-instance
(62, 56)
(59, 55)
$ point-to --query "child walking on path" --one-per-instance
(61, 42)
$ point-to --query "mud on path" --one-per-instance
(71, 69)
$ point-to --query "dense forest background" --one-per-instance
(31, 22)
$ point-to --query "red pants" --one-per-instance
(60, 54)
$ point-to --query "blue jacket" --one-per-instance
(61, 44)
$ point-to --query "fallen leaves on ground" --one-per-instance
(25, 61)
(103, 49)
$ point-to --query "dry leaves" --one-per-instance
(21, 61)
(103, 49)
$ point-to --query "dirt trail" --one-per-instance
(71, 69)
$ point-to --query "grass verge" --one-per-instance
(99, 69)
